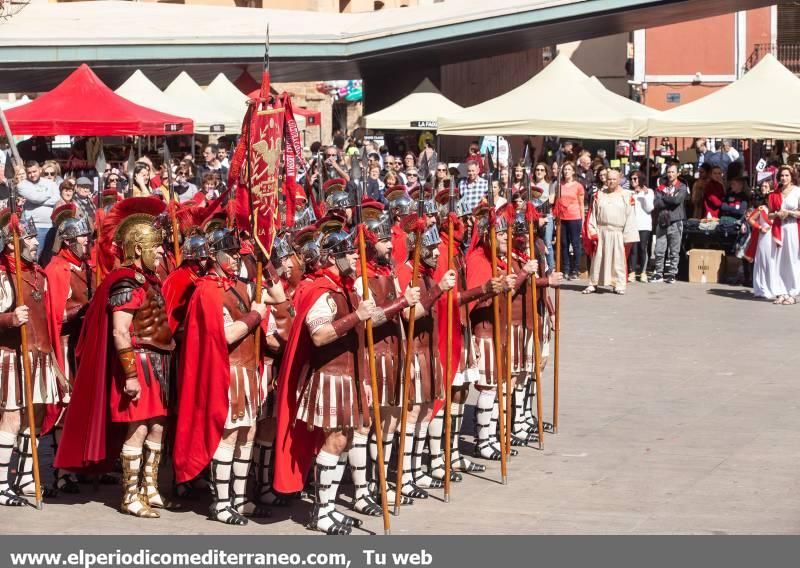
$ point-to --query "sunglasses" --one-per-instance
(49, 174)
(441, 170)
(540, 170)
(113, 180)
(412, 175)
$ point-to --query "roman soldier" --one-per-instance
(69, 280)
(463, 365)
(292, 273)
(324, 355)
(525, 424)
(482, 323)
(338, 201)
(123, 352)
(426, 370)
(400, 204)
(17, 307)
(221, 403)
(385, 290)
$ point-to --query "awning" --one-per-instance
(82, 105)
(764, 103)
(209, 117)
(419, 110)
(558, 101)
(140, 90)
(228, 96)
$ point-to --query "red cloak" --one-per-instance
(204, 378)
(295, 444)
(479, 269)
(399, 245)
(441, 306)
(177, 290)
(90, 439)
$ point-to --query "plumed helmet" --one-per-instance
(336, 194)
(67, 225)
(281, 247)
(195, 247)
(223, 239)
(334, 239)
(376, 220)
(27, 227)
(482, 213)
(131, 223)
(306, 244)
(303, 218)
(400, 203)
(430, 235)
(520, 226)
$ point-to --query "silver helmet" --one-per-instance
(430, 237)
(223, 239)
(520, 224)
(69, 230)
(195, 247)
(380, 227)
(303, 218)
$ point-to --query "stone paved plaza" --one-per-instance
(679, 414)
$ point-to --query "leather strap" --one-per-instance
(251, 319)
(7, 320)
(475, 294)
(343, 325)
(127, 358)
(391, 310)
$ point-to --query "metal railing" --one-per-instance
(786, 53)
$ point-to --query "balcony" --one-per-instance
(786, 53)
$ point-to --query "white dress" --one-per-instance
(776, 271)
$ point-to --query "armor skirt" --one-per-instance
(243, 399)
(389, 375)
(152, 370)
(43, 372)
(333, 402)
(426, 383)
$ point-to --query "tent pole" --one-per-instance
(138, 147)
(647, 161)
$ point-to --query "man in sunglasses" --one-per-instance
(41, 194)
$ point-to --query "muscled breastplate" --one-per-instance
(386, 336)
(340, 357)
(150, 326)
(242, 353)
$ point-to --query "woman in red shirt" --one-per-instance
(570, 211)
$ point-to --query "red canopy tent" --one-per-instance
(82, 105)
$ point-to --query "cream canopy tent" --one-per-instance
(764, 103)
(228, 96)
(417, 111)
(142, 91)
(559, 101)
(209, 117)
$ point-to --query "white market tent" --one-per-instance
(142, 91)
(5, 105)
(559, 101)
(228, 96)
(764, 103)
(417, 111)
(209, 117)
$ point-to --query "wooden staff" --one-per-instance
(409, 350)
(448, 366)
(506, 445)
(498, 357)
(557, 330)
(373, 374)
(537, 353)
(176, 245)
(23, 329)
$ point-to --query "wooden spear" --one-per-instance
(498, 357)
(23, 329)
(409, 351)
(373, 375)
